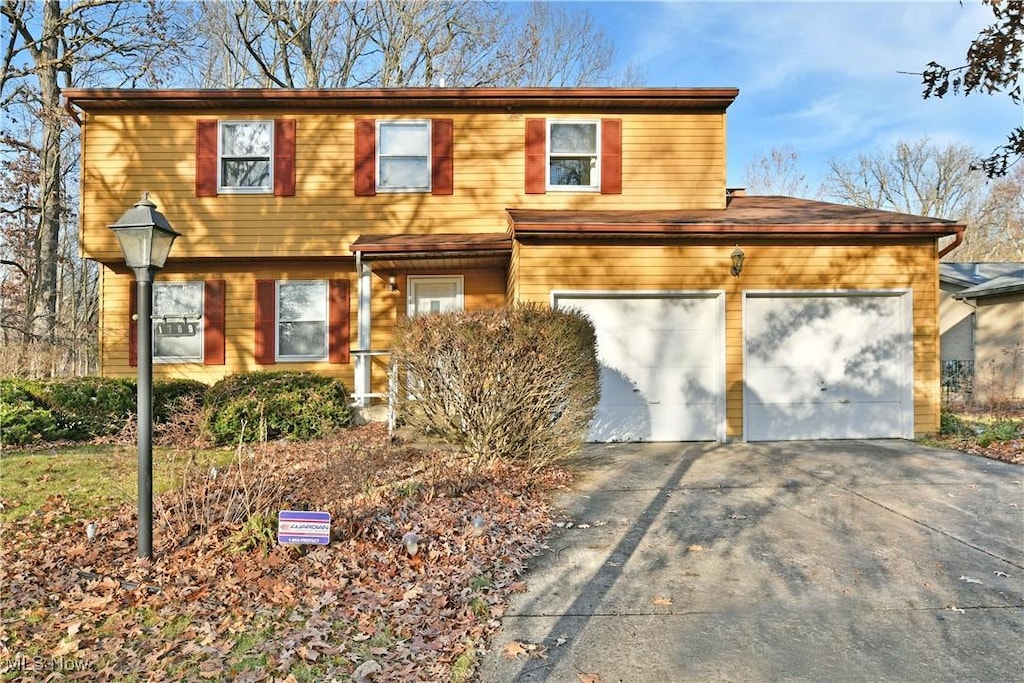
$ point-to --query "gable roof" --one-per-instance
(743, 215)
(1003, 278)
(511, 100)
(971, 273)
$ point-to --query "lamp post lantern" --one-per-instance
(145, 237)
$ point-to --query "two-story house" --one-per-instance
(312, 220)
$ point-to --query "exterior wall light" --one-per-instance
(145, 237)
(393, 282)
(737, 257)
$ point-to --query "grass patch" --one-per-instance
(94, 479)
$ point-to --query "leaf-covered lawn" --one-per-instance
(221, 600)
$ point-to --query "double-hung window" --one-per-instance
(178, 322)
(246, 151)
(302, 320)
(573, 155)
(403, 156)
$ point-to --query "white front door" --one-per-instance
(828, 366)
(662, 360)
(434, 294)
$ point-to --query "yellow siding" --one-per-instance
(239, 320)
(676, 161)
(541, 269)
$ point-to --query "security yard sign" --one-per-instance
(303, 527)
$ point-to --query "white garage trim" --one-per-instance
(662, 356)
(828, 364)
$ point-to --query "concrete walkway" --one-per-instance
(809, 561)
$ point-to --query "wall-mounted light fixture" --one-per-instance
(393, 282)
(737, 257)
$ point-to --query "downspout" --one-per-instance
(957, 241)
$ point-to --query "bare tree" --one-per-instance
(399, 43)
(778, 173)
(994, 64)
(926, 179)
(53, 44)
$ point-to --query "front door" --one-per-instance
(434, 294)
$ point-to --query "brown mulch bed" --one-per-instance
(221, 600)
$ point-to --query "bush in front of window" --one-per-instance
(257, 406)
(518, 384)
(170, 396)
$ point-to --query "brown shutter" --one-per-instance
(536, 153)
(206, 158)
(133, 325)
(611, 156)
(365, 176)
(266, 304)
(441, 142)
(337, 325)
(213, 322)
(284, 158)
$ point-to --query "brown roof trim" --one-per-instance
(747, 216)
(439, 244)
(508, 99)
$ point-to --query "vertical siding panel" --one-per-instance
(213, 322)
(442, 161)
(284, 157)
(536, 162)
(338, 321)
(365, 177)
(611, 156)
(206, 158)
(266, 313)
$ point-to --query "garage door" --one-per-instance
(828, 366)
(661, 358)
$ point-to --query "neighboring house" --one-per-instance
(312, 220)
(981, 324)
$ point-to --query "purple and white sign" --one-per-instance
(303, 527)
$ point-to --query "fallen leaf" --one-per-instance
(696, 548)
(64, 648)
(365, 671)
(662, 601)
(588, 678)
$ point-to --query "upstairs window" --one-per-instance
(245, 157)
(403, 156)
(246, 150)
(573, 160)
(177, 322)
(565, 155)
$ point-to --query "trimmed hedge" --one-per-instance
(253, 406)
(519, 384)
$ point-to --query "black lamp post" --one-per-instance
(145, 237)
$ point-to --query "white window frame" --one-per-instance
(278, 356)
(234, 189)
(382, 123)
(200, 318)
(412, 281)
(595, 172)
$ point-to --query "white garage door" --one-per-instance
(661, 358)
(828, 366)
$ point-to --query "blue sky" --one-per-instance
(819, 77)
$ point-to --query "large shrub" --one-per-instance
(519, 383)
(172, 395)
(87, 407)
(252, 406)
(24, 419)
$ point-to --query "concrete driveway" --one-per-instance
(816, 561)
